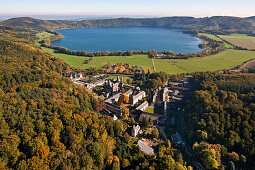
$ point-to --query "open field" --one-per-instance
(42, 36)
(227, 59)
(78, 61)
(240, 40)
(227, 45)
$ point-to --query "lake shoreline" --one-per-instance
(172, 42)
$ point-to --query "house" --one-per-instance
(143, 106)
(113, 99)
(137, 97)
(165, 94)
(148, 150)
(115, 109)
(73, 76)
(113, 85)
(146, 145)
(93, 85)
(129, 92)
(155, 94)
(135, 130)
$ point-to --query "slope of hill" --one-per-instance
(212, 23)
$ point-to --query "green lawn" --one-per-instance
(42, 36)
(140, 60)
(227, 45)
(155, 110)
(225, 60)
(78, 61)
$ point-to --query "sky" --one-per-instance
(197, 8)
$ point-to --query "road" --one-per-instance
(179, 130)
(154, 68)
(187, 146)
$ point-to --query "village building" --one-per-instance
(73, 76)
(164, 94)
(113, 85)
(115, 109)
(143, 106)
(146, 145)
(129, 92)
(135, 130)
(136, 98)
(114, 99)
(95, 84)
(148, 150)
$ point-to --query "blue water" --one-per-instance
(127, 39)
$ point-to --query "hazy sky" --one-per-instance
(129, 7)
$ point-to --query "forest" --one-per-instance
(216, 24)
(48, 122)
(220, 121)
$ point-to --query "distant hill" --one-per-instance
(216, 23)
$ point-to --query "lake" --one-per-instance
(127, 39)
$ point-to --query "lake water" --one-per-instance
(127, 39)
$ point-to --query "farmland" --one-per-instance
(240, 40)
(211, 36)
(225, 60)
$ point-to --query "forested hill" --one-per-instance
(217, 23)
(219, 119)
(47, 122)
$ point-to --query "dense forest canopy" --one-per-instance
(220, 121)
(217, 23)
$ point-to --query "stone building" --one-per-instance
(136, 98)
(135, 130)
(143, 106)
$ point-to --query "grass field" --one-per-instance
(240, 40)
(225, 60)
(42, 36)
(78, 61)
(227, 45)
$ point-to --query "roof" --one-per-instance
(113, 97)
(139, 94)
(142, 105)
(144, 148)
(130, 91)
